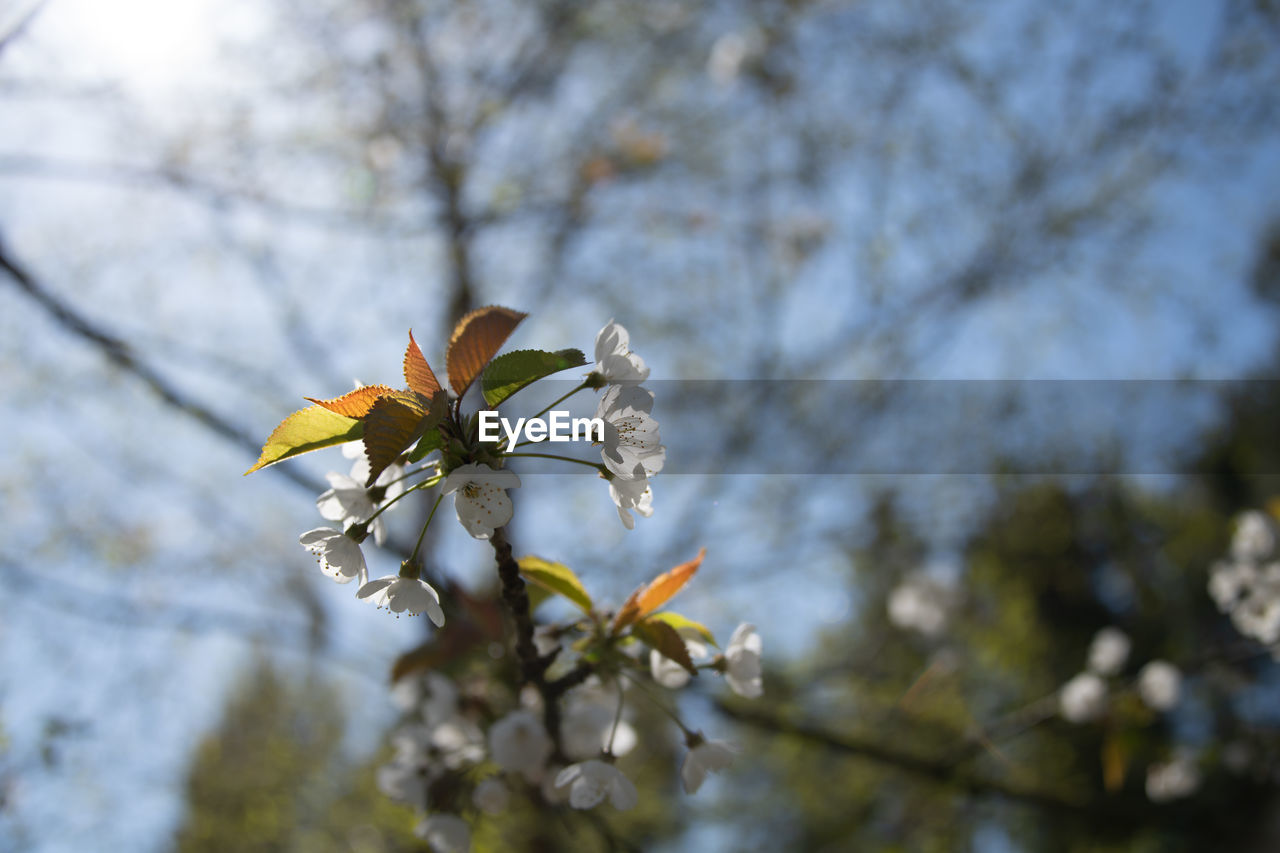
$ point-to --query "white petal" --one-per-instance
(375, 586)
(622, 793)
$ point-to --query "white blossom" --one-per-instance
(339, 555)
(632, 495)
(920, 603)
(588, 725)
(519, 743)
(404, 781)
(614, 359)
(432, 694)
(1160, 685)
(742, 656)
(404, 595)
(1172, 780)
(631, 436)
(1108, 651)
(709, 756)
(1255, 537)
(1083, 698)
(482, 503)
(446, 833)
(591, 781)
(458, 742)
(667, 672)
(491, 796)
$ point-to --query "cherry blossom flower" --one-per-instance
(631, 435)
(401, 594)
(433, 695)
(742, 657)
(631, 495)
(349, 502)
(1083, 698)
(491, 796)
(1160, 685)
(446, 833)
(615, 361)
(920, 603)
(520, 744)
(1108, 651)
(481, 503)
(1255, 537)
(704, 756)
(589, 715)
(591, 781)
(1172, 780)
(338, 554)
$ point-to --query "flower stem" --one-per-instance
(662, 706)
(557, 402)
(413, 558)
(596, 465)
(425, 484)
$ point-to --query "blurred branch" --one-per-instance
(211, 193)
(942, 771)
(24, 22)
(118, 352)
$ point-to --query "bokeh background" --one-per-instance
(211, 209)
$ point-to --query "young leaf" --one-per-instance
(357, 403)
(308, 429)
(511, 371)
(557, 578)
(653, 595)
(417, 372)
(663, 639)
(675, 620)
(476, 339)
(431, 440)
(392, 424)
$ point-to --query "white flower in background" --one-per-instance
(1083, 698)
(742, 657)
(1108, 651)
(631, 438)
(1255, 537)
(491, 796)
(446, 833)
(431, 693)
(458, 742)
(589, 722)
(481, 503)
(591, 781)
(670, 674)
(920, 603)
(349, 502)
(708, 756)
(1172, 780)
(614, 359)
(520, 744)
(339, 555)
(405, 782)
(631, 495)
(401, 594)
(1229, 582)
(1160, 685)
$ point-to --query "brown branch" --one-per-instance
(942, 771)
(119, 353)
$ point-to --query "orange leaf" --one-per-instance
(476, 339)
(658, 592)
(354, 404)
(391, 425)
(417, 372)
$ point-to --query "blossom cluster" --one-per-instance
(1246, 583)
(474, 474)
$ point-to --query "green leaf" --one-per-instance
(305, 430)
(510, 372)
(663, 639)
(556, 577)
(675, 620)
(431, 440)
